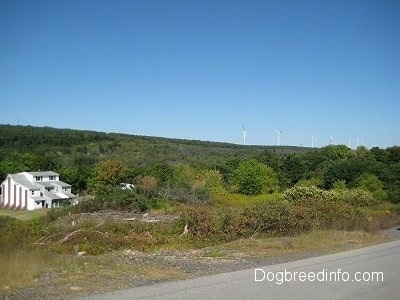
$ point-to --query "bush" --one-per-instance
(201, 221)
(371, 183)
(272, 218)
(117, 199)
(17, 234)
(358, 197)
(254, 178)
(184, 194)
(299, 192)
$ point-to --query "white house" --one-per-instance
(33, 190)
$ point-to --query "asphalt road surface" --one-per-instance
(367, 273)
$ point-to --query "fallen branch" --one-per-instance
(73, 233)
(44, 240)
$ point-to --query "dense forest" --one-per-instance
(191, 169)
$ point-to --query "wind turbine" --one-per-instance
(357, 142)
(349, 142)
(313, 139)
(279, 135)
(331, 141)
(244, 135)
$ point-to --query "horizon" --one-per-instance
(205, 70)
(197, 140)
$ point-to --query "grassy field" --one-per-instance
(22, 214)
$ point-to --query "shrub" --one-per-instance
(117, 199)
(313, 181)
(17, 234)
(358, 197)
(254, 178)
(298, 193)
(183, 193)
(370, 182)
(201, 221)
(339, 185)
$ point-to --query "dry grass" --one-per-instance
(22, 214)
(65, 274)
(19, 269)
(59, 274)
(328, 241)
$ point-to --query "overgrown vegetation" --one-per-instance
(213, 192)
(89, 160)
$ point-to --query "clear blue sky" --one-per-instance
(203, 69)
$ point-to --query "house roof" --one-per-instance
(44, 183)
(22, 180)
(38, 198)
(67, 195)
(43, 173)
(60, 183)
(52, 196)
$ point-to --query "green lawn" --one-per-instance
(22, 214)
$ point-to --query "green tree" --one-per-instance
(380, 155)
(349, 169)
(26, 162)
(294, 168)
(335, 152)
(106, 174)
(364, 153)
(75, 176)
(312, 181)
(162, 172)
(229, 167)
(254, 178)
(371, 183)
(394, 154)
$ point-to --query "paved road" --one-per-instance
(384, 259)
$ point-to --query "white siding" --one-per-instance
(22, 190)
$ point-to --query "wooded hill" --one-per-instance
(71, 147)
(78, 154)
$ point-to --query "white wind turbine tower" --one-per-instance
(313, 139)
(244, 136)
(279, 136)
(349, 142)
(331, 141)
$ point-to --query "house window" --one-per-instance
(38, 178)
(52, 177)
(32, 192)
